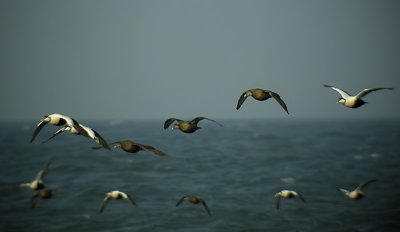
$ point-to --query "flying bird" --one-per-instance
(113, 195)
(38, 182)
(261, 95)
(56, 120)
(85, 131)
(133, 147)
(353, 101)
(195, 200)
(186, 126)
(43, 194)
(287, 194)
(357, 193)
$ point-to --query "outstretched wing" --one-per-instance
(205, 207)
(34, 199)
(79, 128)
(100, 140)
(43, 172)
(279, 100)
(151, 149)
(342, 93)
(343, 190)
(39, 127)
(277, 202)
(169, 121)
(242, 98)
(130, 199)
(367, 91)
(198, 119)
(104, 204)
(55, 134)
(301, 197)
(180, 200)
(363, 184)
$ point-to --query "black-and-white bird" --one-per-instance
(353, 101)
(38, 182)
(186, 126)
(287, 194)
(56, 120)
(194, 200)
(114, 195)
(261, 95)
(85, 131)
(357, 193)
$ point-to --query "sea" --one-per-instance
(236, 169)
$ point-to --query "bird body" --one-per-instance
(261, 95)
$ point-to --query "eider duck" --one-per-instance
(56, 120)
(186, 126)
(287, 194)
(113, 195)
(133, 147)
(261, 95)
(43, 194)
(194, 200)
(85, 131)
(353, 101)
(38, 182)
(357, 193)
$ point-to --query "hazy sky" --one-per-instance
(158, 59)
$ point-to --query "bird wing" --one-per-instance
(110, 145)
(34, 199)
(342, 93)
(343, 190)
(39, 127)
(180, 200)
(367, 91)
(198, 119)
(43, 172)
(130, 199)
(363, 184)
(96, 137)
(169, 121)
(80, 128)
(55, 134)
(104, 204)
(279, 100)
(151, 149)
(205, 207)
(102, 141)
(277, 202)
(301, 197)
(242, 98)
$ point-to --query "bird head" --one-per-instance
(341, 100)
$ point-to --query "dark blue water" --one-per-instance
(236, 169)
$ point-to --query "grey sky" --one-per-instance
(157, 59)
